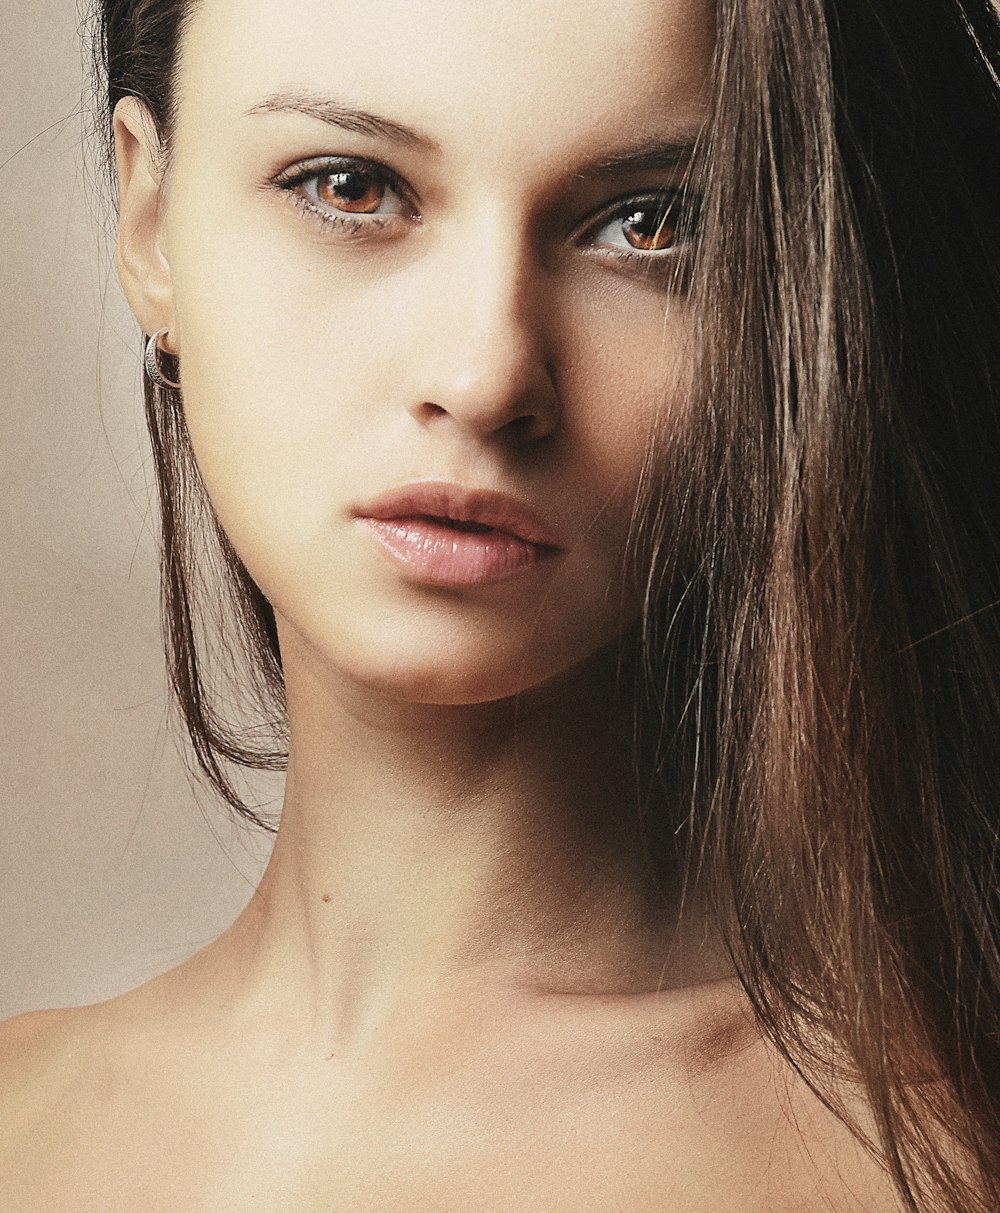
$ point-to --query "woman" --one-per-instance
(601, 456)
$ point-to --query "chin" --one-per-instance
(451, 676)
(425, 662)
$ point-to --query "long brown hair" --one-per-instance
(821, 637)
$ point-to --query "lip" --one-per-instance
(415, 525)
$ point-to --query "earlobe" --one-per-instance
(143, 269)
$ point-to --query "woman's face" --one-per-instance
(421, 260)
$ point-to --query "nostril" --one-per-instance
(525, 428)
(429, 409)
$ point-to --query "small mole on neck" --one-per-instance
(327, 897)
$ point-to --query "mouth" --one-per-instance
(456, 524)
(444, 534)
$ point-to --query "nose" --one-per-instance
(484, 360)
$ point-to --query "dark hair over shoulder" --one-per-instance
(850, 586)
(821, 638)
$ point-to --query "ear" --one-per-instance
(142, 265)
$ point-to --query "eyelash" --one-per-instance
(670, 201)
(675, 203)
(346, 224)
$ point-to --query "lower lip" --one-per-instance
(442, 555)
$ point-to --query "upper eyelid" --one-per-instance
(687, 203)
(672, 194)
(318, 166)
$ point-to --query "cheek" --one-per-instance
(280, 380)
(627, 379)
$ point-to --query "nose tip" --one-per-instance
(512, 397)
(484, 361)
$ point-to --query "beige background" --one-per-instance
(111, 868)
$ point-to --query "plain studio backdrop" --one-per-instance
(112, 867)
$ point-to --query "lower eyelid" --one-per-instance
(652, 262)
(626, 253)
(348, 224)
(670, 272)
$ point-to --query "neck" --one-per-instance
(424, 849)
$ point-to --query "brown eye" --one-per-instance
(651, 229)
(354, 191)
(358, 197)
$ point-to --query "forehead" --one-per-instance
(519, 75)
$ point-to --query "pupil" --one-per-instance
(351, 186)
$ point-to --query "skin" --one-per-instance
(461, 985)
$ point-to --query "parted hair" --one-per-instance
(818, 699)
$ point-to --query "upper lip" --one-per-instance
(455, 503)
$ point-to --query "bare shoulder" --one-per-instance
(41, 1062)
(58, 1070)
(52, 1060)
(40, 1055)
(729, 1123)
(45, 1058)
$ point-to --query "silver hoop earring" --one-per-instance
(152, 364)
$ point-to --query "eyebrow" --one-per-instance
(346, 117)
(651, 156)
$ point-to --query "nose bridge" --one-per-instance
(489, 351)
(497, 278)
